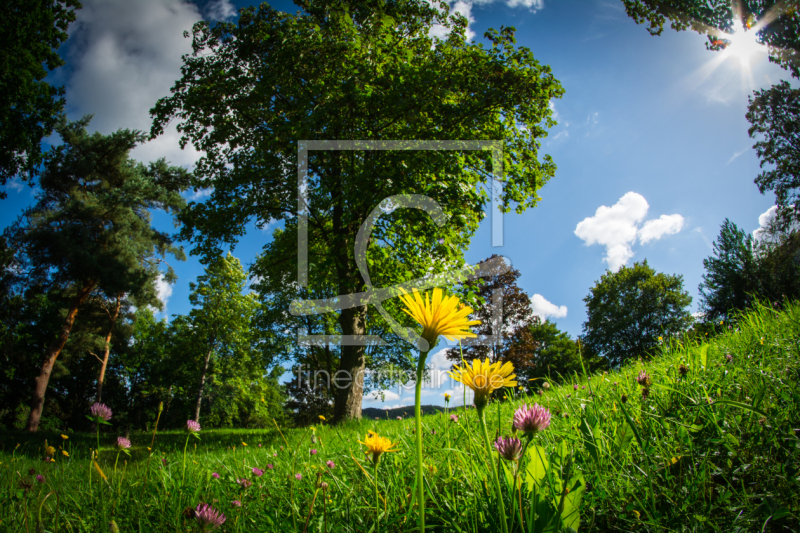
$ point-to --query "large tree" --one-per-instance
(342, 70)
(31, 32)
(628, 310)
(499, 295)
(731, 279)
(744, 269)
(775, 117)
(221, 318)
(91, 226)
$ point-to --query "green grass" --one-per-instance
(714, 450)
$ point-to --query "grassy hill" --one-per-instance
(713, 447)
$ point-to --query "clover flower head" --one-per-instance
(269, 466)
(330, 464)
(123, 443)
(453, 418)
(545, 385)
(298, 476)
(258, 472)
(509, 449)
(207, 517)
(215, 475)
(40, 478)
(531, 420)
(192, 426)
(728, 357)
(100, 411)
(643, 379)
(313, 451)
(236, 503)
(575, 387)
(244, 483)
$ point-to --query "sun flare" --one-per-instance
(744, 45)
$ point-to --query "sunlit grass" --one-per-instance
(712, 450)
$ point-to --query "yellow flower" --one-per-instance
(322, 418)
(446, 397)
(49, 451)
(65, 453)
(439, 315)
(484, 378)
(660, 338)
(244, 443)
(64, 437)
(377, 445)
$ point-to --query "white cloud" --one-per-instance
(462, 8)
(663, 225)
(220, 10)
(617, 228)
(533, 5)
(735, 155)
(15, 183)
(765, 219)
(163, 291)
(199, 194)
(385, 395)
(126, 55)
(544, 309)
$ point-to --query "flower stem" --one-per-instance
(418, 426)
(377, 502)
(184, 456)
(494, 471)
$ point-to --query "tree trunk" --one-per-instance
(348, 388)
(37, 404)
(107, 348)
(202, 386)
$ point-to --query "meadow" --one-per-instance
(712, 445)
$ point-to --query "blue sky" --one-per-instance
(652, 147)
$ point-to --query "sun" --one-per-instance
(744, 45)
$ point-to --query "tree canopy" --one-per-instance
(31, 32)
(347, 70)
(628, 310)
(91, 229)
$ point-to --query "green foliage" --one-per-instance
(275, 79)
(711, 449)
(31, 32)
(557, 356)
(91, 222)
(774, 115)
(744, 269)
(731, 278)
(630, 309)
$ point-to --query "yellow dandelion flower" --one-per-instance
(244, 443)
(49, 451)
(439, 315)
(65, 453)
(446, 397)
(322, 418)
(484, 378)
(376, 445)
(660, 339)
(64, 437)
